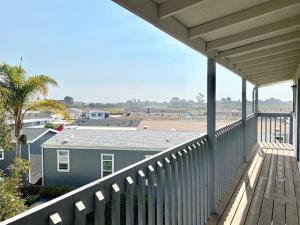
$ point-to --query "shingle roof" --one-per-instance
(31, 133)
(156, 140)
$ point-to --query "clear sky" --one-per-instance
(100, 52)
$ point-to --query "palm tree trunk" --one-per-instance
(18, 147)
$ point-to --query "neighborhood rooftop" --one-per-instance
(32, 133)
(108, 122)
(157, 140)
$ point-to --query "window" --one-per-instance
(107, 164)
(99, 114)
(93, 114)
(63, 161)
(1, 155)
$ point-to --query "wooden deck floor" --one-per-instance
(266, 191)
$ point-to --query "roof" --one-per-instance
(96, 111)
(108, 122)
(33, 134)
(258, 39)
(119, 140)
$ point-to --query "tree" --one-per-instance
(200, 97)
(10, 196)
(5, 134)
(17, 91)
(228, 99)
(69, 100)
(175, 101)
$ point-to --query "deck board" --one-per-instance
(268, 192)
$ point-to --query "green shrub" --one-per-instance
(31, 199)
(30, 189)
(54, 190)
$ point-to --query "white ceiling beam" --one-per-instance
(273, 73)
(266, 52)
(262, 30)
(172, 7)
(269, 80)
(272, 69)
(287, 61)
(270, 58)
(266, 84)
(285, 76)
(241, 16)
(256, 46)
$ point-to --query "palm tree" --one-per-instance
(17, 93)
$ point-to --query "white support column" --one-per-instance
(253, 100)
(244, 108)
(256, 99)
(211, 127)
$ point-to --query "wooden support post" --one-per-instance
(211, 129)
(244, 113)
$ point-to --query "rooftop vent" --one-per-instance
(65, 141)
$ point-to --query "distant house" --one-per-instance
(75, 113)
(30, 151)
(96, 115)
(77, 157)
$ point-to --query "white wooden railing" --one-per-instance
(171, 187)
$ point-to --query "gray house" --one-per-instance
(77, 157)
(30, 151)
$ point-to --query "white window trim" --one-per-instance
(113, 163)
(2, 155)
(57, 156)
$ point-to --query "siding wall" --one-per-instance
(36, 157)
(10, 155)
(85, 164)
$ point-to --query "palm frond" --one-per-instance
(39, 84)
(49, 106)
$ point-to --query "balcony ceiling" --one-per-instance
(257, 39)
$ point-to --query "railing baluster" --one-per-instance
(189, 178)
(175, 183)
(185, 187)
(270, 128)
(55, 219)
(202, 184)
(197, 177)
(167, 191)
(194, 183)
(99, 208)
(141, 198)
(115, 205)
(206, 180)
(280, 129)
(80, 213)
(180, 188)
(285, 134)
(151, 196)
(129, 201)
(159, 193)
(266, 129)
(275, 133)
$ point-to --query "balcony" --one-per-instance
(243, 173)
(177, 186)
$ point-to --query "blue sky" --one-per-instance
(100, 52)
